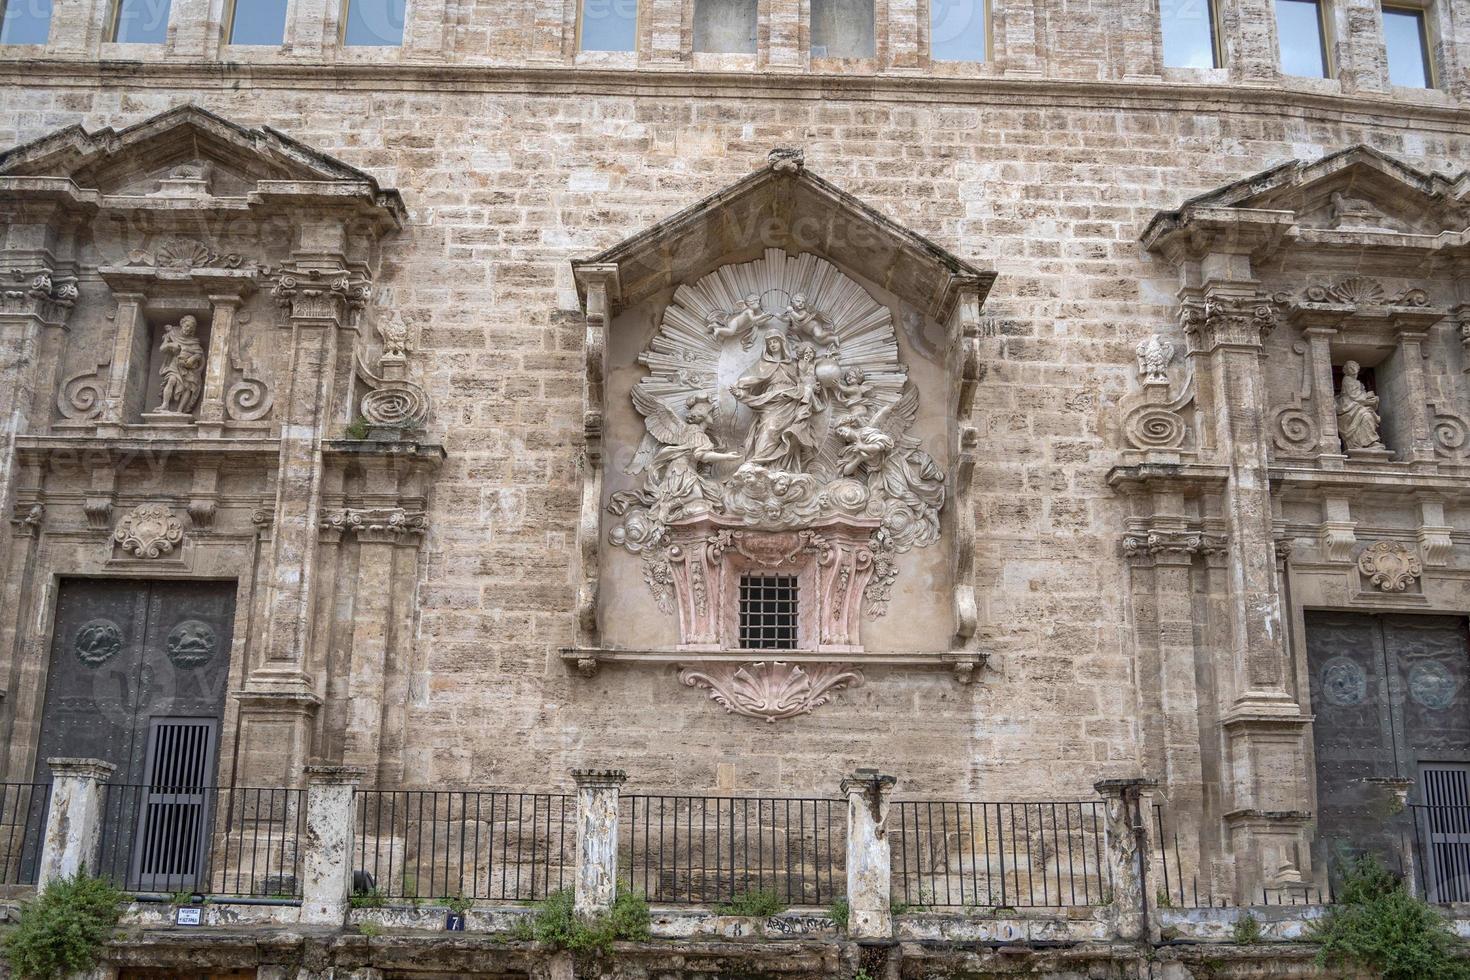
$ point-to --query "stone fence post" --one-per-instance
(597, 837)
(74, 819)
(1125, 824)
(868, 856)
(326, 861)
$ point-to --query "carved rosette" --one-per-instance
(149, 531)
(771, 690)
(833, 563)
(1390, 566)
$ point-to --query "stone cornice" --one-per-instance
(1267, 97)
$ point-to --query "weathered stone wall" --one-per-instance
(508, 178)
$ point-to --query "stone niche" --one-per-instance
(778, 461)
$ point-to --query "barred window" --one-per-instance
(768, 612)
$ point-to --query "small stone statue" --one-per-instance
(742, 322)
(183, 367)
(1357, 412)
(803, 321)
(1154, 355)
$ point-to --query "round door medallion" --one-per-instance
(191, 644)
(1431, 685)
(97, 642)
(1343, 682)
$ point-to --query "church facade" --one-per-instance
(479, 406)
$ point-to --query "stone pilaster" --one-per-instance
(74, 819)
(869, 859)
(1415, 402)
(781, 31)
(1016, 47)
(1249, 36)
(326, 847)
(211, 413)
(1127, 804)
(129, 364)
(1359, 59)
(1319, 351)
(597, 837)
(600, 283)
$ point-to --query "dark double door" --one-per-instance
(1391, 699)
(137, 678)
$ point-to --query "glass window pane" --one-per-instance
(842, 28)
(374, 22)
(1299, 29)
(957, 30)
(1189, 33)
(1408, 52)
(25, 21)
(259, 22)
(724, 26)
(141, 22)
(609, 25)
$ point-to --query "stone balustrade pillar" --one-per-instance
(1127, 834)
(74, 819)
(326, 863)
(597, 837)
(868, 856)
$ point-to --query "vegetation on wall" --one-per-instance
(62, 931)
(558, 926)
(756, 903)
(1377, 924)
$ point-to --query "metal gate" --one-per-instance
(174, 814)
(1390, 699)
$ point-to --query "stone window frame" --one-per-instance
(1432, 40)
(1327, 35)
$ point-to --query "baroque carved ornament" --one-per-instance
(149, 531)
(776, 400)
(771, 690)
(1390, 566)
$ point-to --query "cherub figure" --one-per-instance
(673, 482)
(743, 322)
(803, 321)
(852, 391)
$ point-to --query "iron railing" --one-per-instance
(226, 841)
(707, 850)
(1016, 855)
(1440, 840)
(22, 826)
(1177, 881)
(464, 843)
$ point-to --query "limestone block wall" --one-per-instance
(1041, 168)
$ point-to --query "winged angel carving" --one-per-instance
(777, 421)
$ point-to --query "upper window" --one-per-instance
(609, 25)
(373, 23)
(842, 29)
(1407, 38)
(724, 26)
(1189, 33)
(139, 21)
(258, 22)
(958, 30)
(1302, 34)
(25, 21)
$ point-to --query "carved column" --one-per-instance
(211, 414)
(128, 368)
(600, 283)
(1319, 349)
(1415, 403)
(1127, 806)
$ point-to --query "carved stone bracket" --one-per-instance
(771, 690)
(1160, 544)
(395, 523)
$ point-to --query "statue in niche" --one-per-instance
(1357, 412)
(785, 396)
(811, 426)
(183, 367)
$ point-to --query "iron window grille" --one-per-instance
(768, 617)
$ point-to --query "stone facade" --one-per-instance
(413, 404)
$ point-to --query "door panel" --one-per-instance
(1430, 671)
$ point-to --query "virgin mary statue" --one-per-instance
(785, 396)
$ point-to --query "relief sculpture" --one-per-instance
(777, 421)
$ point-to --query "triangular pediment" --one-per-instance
(786, 206)
(161, 155)
(1358, 189)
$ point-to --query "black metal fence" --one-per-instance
(1016, 855)
(477, 845)
(1179, 884)
(22, 826)
(708, 850)
(225, 841)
